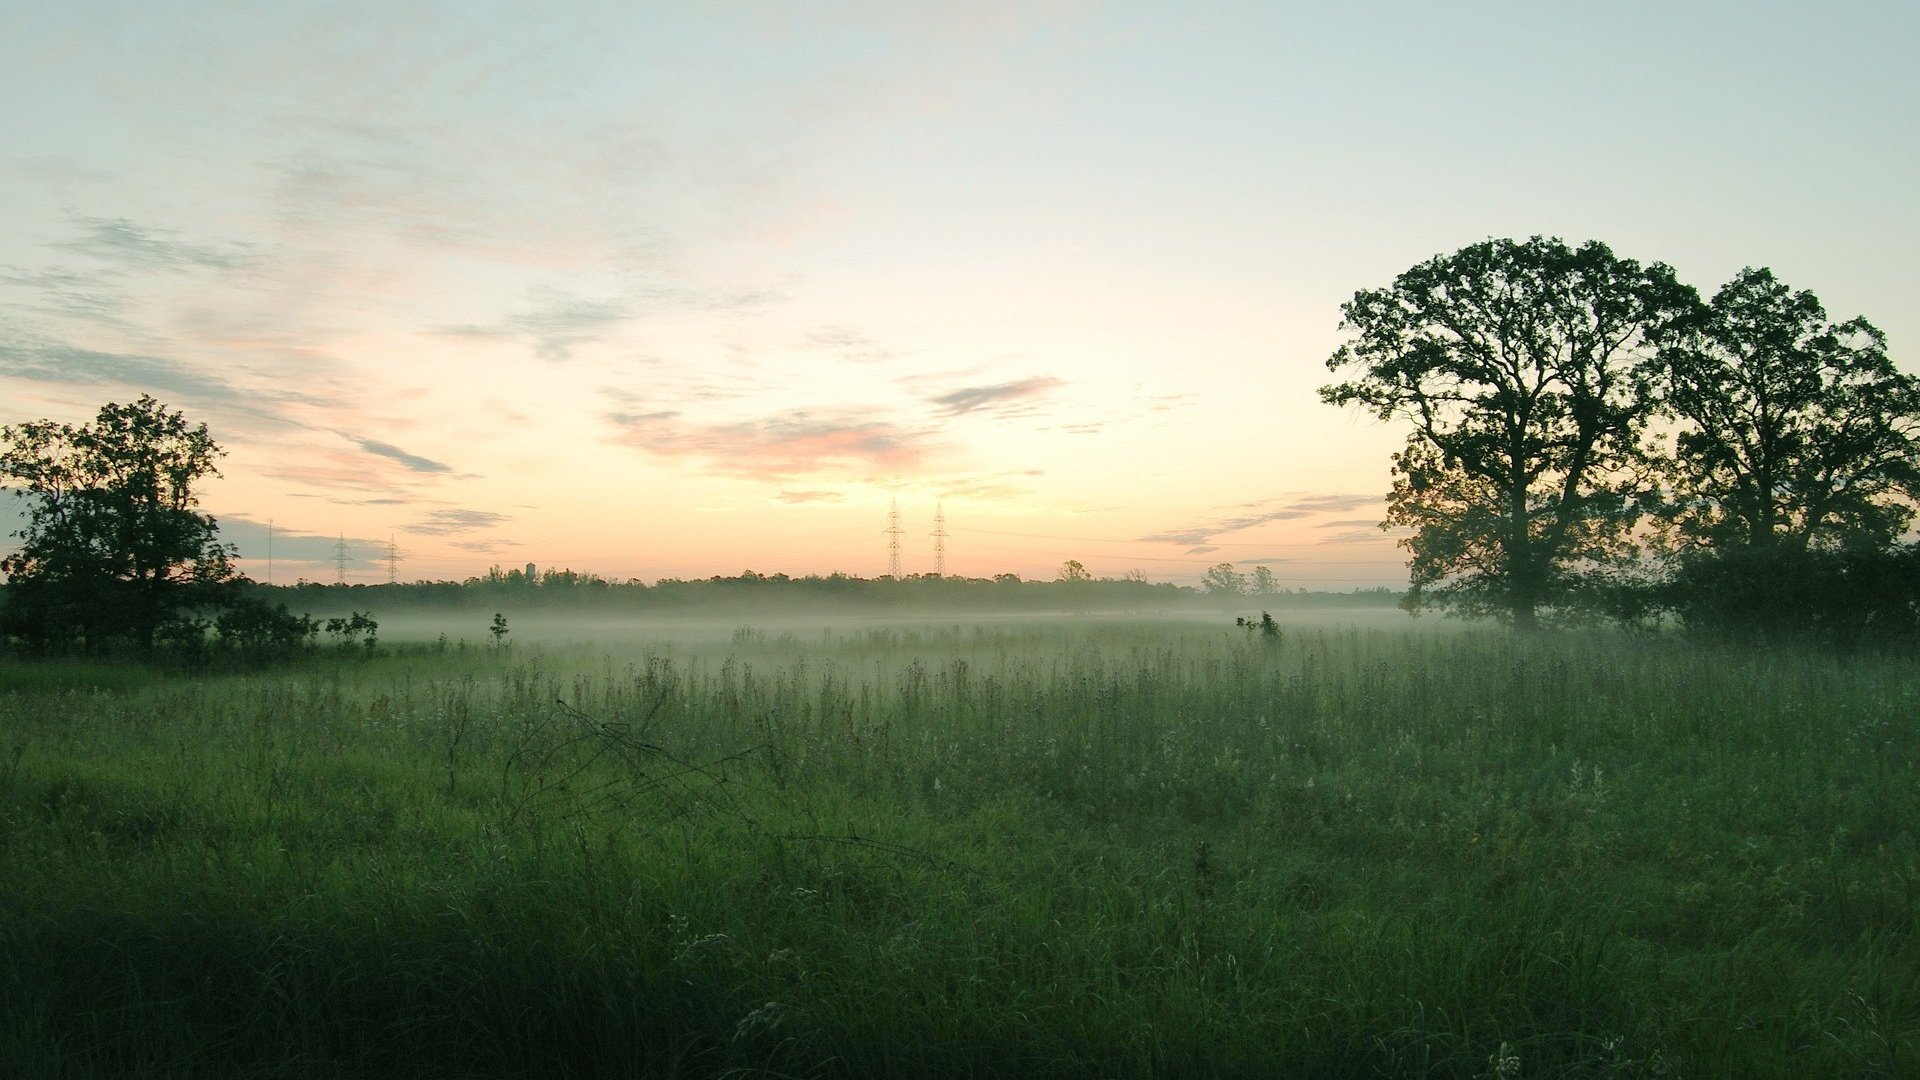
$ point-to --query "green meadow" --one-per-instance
(1051, 848)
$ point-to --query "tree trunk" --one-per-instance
(1525, 619)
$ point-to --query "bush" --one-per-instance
(253, 631)
(1843, 597)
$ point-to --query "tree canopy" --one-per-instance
(1573, 413)
(113, 549)
(1523, 367)
(1794, 430)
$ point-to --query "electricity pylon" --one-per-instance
(939, 541)
(894, 532)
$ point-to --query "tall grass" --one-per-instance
(1067, 850)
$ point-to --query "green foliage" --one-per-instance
(1847, 597)
(253, 631)
(1524, 369)
(1265, 626)
(113, 552)
(354, 629)
(1532, 375)
(1222, 580)
(498, 629)
(1796, 431)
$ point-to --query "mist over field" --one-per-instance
(624, 633)
(590, 625)
(1042, 540)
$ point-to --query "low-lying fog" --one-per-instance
(548, 627)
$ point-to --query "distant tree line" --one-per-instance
(1591, 439)
(116, 558)
(751, 593)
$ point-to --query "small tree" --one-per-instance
(349, 628)
(498, 629)
(1268, 630)
(113, 549)
(1074, 571)
(1222, 580)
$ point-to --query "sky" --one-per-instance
(665, 290)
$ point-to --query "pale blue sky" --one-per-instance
(676, 289)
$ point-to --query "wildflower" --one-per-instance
(1505, 1062)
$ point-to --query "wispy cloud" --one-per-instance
(558, 322)
(848, 344)
(994, 487)
(293, 546)
(342, 472)
(483, 547)
(86, 297)
(449, 522)
(1329, 503)
(984, 492)
(796, 443)
(182, 386)
(387, 450)
(556, 325)
(122, 242)
(811, 497)
(1201, 535)
(1360, 536)
(1000, 398)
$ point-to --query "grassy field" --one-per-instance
(1055, 848)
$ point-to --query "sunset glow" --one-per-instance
(681, 290)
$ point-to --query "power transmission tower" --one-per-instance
(269, 551)
(393, 561)
(894, 532)
(939, 541)
(341, 559)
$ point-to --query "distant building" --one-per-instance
(531, 576)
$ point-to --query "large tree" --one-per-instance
(113, 549)
(1795, 432)
(1523, 367)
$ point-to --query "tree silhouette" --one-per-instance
(1221, 579)
(113, 549)
(1523, 368)
(1797, 432)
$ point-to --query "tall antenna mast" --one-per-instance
(894, 532)
(393, 561)
(341, 559)
(939, 541)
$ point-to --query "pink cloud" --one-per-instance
(791, 444)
